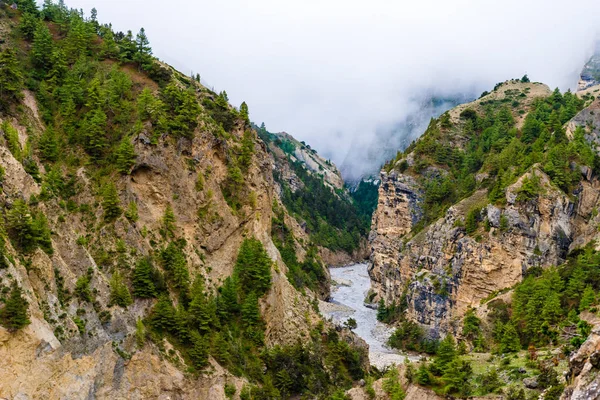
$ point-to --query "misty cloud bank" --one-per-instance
(345, 75)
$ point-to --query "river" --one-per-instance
(349, 288)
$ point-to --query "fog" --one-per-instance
(344, 75)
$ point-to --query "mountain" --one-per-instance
(485, 233)
(590, 74)
(150, 245)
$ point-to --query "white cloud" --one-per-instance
(331, 72)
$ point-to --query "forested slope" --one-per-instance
(137, 254)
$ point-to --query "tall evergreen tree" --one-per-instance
(21, 227)
(446, 353)
(143, 54)
(14, 315)
(143, 283)
(253, 267)
(42, 49)
(111, 203)
(510, 342)
(168, 221)
(125, 156)
(162, 317)
(11, 79)
(250, 311)
(119, 293)
(48, 145)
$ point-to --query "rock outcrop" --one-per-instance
(441, 271)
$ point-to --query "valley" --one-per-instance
(155, 243)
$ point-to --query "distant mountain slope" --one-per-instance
(365, 159)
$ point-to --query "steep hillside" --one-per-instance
(335, 219)
(138, 255)
(470, 220)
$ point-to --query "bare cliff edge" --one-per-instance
(441, 271)
(51, 358)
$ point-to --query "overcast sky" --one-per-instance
(333, 72)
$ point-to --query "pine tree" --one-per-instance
(48, 145)
(125, 156)
(174, 262)
(21, 227)
(119, 293)
(14, 315)
(510, 342)
(110, 203)
(28, 6)
(253, 267)
(94, 140)
(143, 53)
(245, 157)
(244, 112)
(168, 221)
(42, 233)
(228, 301)
(423, 376)
(446, 353)
(11, 79)
(143, 283)
(199, 308)
(162, 317)
(250, 311)
(456, 378)
(199, 350)
(588, 298)
(42, 49)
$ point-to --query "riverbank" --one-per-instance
(350, 285)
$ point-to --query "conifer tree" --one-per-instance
(14, 315)
(28, 25)
(199, 309)
(245, 157)
(250, 311)
(228, 301)
(510, 342)
(48, 145)
(11, 79)
(28, 6)
(94, 140)
(42, 49)
(125, 156)
(119, 293)
(42, 233)
(143, 53)
(180, 324)
(244, 112)
(446, 353)
(423, 376)
(253, 267)
(588, 297)
(20, 225)
(199, 350)
(143, 282)
(162, 317)
(168, 221)
(456, 378)
(110, 203)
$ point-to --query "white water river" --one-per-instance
(349, 289)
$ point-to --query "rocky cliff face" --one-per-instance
(442, 270)
(35, 363)
(76, 349)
